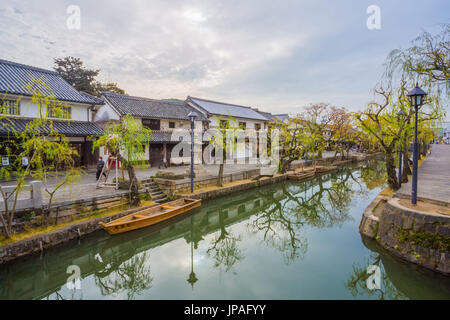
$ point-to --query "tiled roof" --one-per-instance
(226, 109)
(93, 98)
(14, 77)
(161, 137)
(149, 108)
(68, 128)
(281, 117)
(267, 115)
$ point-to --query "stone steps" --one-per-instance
(157, 195)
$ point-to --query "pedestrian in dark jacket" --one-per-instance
(162, 161)
(100, 165)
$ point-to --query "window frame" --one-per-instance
(10, 105)
(148, 124)
(67, 110)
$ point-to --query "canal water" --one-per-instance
(291, 240)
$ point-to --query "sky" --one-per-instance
(278, 56)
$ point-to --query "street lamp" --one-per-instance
(192, 117)
(400, 116)
(416, 97)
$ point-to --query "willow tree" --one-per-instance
(426, 61)
(380, 119)
(317, 118)
(9, 194)
(293, 140)
(126, 140)
(40, 151)
(342, 134)
(224, 140)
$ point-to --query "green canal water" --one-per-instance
(292, 240)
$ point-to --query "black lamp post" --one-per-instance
(401, 114)
(416, 97)
(192, 117)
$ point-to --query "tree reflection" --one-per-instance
(374, 174)
(357, 282)
(132, 276)
(320, 203)
(224, 248)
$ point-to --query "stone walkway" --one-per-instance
(434, 177)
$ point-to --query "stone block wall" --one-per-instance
(67, 211)
(417, 237)
(173, 187)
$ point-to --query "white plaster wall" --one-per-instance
(250, 124)
(106, 112)
(31, 110)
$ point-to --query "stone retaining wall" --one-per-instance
(67, 211)
(418, 237)
(233, 189)
(42, 242)
(173, 187)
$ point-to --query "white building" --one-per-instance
(245, 117)
(168, 121)
(15, 103)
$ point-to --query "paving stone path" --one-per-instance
(434, 176)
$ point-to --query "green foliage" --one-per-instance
(49, 154)
(145, 196)
(224, 141)
(130, 138)
(73, 71)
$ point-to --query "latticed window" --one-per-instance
(9, 107)
(62, 112)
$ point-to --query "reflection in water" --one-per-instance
(235, 238)
(357, 283)
(399, 279)
(224, 247)
(316, 203)
(131, 276)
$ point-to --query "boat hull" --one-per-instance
(150, 216)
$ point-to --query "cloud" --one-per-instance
(273, 55)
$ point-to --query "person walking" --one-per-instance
(162, 160)
(100, 165)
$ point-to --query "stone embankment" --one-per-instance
(418, 234)
(41, 242)
(418, 237)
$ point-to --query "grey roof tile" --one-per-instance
(227, 109)
(68, 128)
(15, 76)
(149, 108)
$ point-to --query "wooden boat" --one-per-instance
(301, 175)
(150, 216)
(322, 169)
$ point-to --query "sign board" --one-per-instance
(5, 161)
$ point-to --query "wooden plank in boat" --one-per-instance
(150, 216)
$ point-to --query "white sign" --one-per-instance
(5, 161)
(24, 161)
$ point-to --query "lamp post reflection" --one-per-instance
(192, 277)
